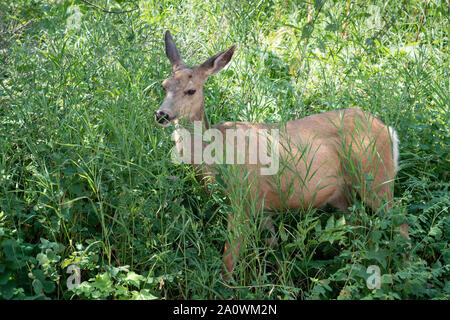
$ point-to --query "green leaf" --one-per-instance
(4, 277)
(369, 41)
(435, 232)
(49, 286)
(330, 223)
(122, 292)
(8, 250)
(398, 220)
(7, 291)
(133, 278)
(103, 282)
(319, 4)
(220, 181)
(144, 294)
(307, 30)
(38, 274)
(333, 27)
(38, 287)
(41, 258)
(341, 221)
(380, 255)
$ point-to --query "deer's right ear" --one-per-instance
(172, 52)
(218, 61)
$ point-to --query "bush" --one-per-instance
(85, 180)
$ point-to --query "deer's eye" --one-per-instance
(190, 92)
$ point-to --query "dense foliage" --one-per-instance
(85, 178)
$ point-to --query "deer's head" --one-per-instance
(184, 89)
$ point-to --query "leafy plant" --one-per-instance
(86, 180)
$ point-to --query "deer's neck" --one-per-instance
(199, 115)
(192, 130)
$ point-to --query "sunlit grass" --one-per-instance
(83, 165)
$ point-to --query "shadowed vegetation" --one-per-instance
(85, 173)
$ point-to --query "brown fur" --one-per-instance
(327, 153)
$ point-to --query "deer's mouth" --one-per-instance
(162, 118)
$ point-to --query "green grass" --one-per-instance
(85, 176)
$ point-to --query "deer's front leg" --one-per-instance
(232, 250)
(231, 254)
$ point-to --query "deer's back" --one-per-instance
(311, 155)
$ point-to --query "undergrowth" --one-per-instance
(86, 181)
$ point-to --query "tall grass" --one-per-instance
(85, 176)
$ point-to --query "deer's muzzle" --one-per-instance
(161, 117)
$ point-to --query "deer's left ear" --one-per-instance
(218, 61)
(172, 52)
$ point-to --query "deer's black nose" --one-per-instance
(161, 117)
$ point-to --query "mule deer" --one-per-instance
(335, 150)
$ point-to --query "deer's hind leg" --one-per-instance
(340, 199)
(376, 177)
(376, 186)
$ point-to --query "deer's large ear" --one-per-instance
(218, 61)
(172, 52)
